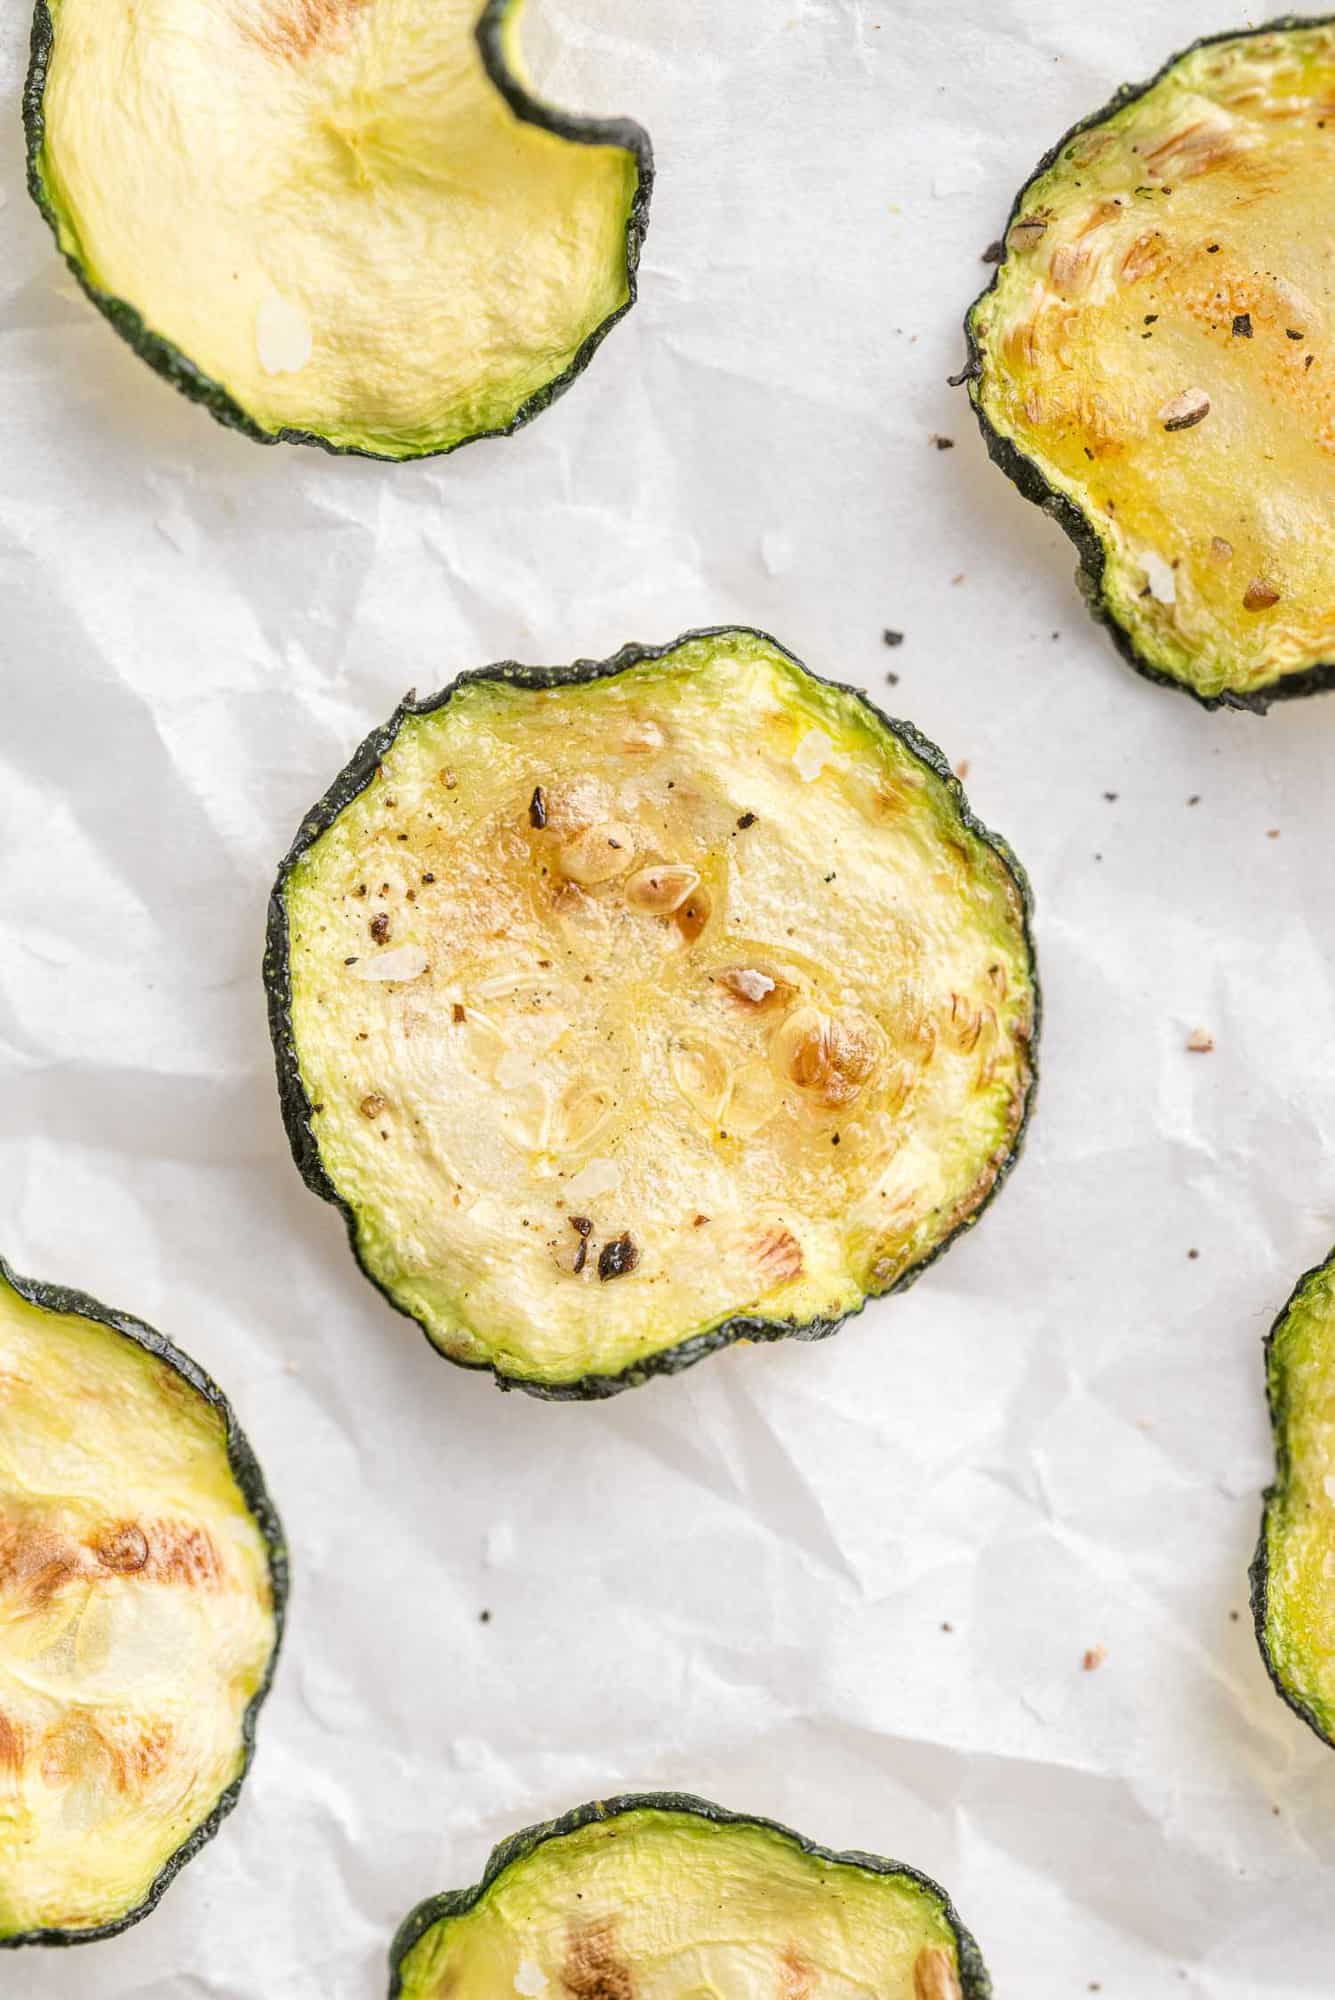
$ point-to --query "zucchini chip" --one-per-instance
(636, 1007)
(334, 222)
(142, 1584)
(1293, 1576)
(666, 1894)
(1153, 363)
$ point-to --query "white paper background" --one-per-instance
(737, 1582)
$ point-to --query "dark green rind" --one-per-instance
(250, 1480)
(296, 1105)
(177, 368)
(1259, 1574)
(1027, 475)
(974, 1979)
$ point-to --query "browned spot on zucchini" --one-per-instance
(967, 1022)
(80, 1748)
(1070, 266)
(794, 1975)
(934, 1975)
(829, 1057)
(141, 1755)
(12, 1744)
(35, 1562)
(1148, 256)
(179, 1554)
(73, 1749)
(777, 1254)
(693, 915)
(122, 1547)
(293, 29)
(1197, 149)
(595, 1968)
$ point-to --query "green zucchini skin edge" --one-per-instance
(358, 773)
(250, 1480)
(974, 1979)
(175, 367)
(1029, 479)
(1259, 1573)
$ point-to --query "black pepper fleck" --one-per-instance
(617, 1257)
(537, 808)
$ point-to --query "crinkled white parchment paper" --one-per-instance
(852, 1585)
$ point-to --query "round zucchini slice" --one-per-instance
(645, 1005)
(1293, 1576)
(1153, 363)
(334, 222)
(641, 1897)
(142, 1583)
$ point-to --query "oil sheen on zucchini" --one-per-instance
(1293, 1577)
(636, 1007)
(343, 222)
(1155, 361)
(142, 1577)
(656, 1897)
